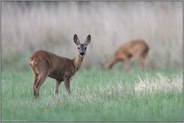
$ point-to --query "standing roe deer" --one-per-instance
(44, 63)
(135, 48)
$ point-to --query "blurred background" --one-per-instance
(29, 26)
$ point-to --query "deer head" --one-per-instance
(82, 47)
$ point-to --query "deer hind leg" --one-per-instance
(35, 75)
(41, 78)
(109, 64)
(42, 72)
(56, 87)
(35, 80)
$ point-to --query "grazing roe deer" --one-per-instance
(134, 48)
(44, 63)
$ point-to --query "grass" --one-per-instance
(97, 95)
(108, 23)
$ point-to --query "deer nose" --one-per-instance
(82, 53)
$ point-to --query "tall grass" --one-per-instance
(28, 26)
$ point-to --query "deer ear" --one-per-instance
(88, 39)
(76, 39)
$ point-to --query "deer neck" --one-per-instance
(77, 61)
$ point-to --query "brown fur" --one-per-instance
(44, 63)
(135, 48)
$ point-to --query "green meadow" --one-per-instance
(96, 95)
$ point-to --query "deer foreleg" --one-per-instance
(56, 87)
(109, 64)
(67, 84)
(126, 65)
(149, 62)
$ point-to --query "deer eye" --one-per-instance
(85, 48)
(78, 48)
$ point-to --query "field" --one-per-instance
(97, 95)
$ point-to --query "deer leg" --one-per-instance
(41, 78)
(67, 85)
(35, 80)
(126, 65)
(109, 64)
(56, 88)
(125, 61)
(149, 62)
(34, 75)
(139, 61)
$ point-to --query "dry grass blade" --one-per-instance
(159, 83)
